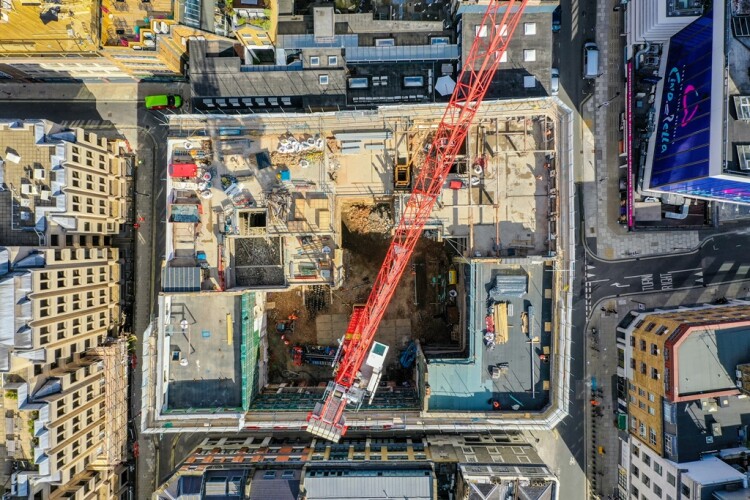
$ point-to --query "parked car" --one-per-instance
(556, 19)
(163, 101)
(554, 82)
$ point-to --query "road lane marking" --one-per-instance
(687, 270)
(666, 281)
(647, 282)
(637, 276)
(743, 269)
(726, 267)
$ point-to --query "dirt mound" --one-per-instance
(363, 218)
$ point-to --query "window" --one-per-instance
(333, 60)
(651, 397)
(634, 450)
(657, 468)
(643, 345)
(314, 61)
(643, 368)
(642, 429)
(413, 81)
(480, 31)
(652, 435)
(386, 42)
(646, 460)
(685, 490)
(641, 405)
(359, 83)
(529, 28)
(634, 491)
(323, 79)
(657, 490)
(646, 481)
(641, 393)
(650, 327)
(529, 55)
(654, 374)
(632, 341)
(651, 410)
(654, 350)
(504, 57)
(634, 470)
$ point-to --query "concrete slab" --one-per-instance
(204, 367)
(466, 384)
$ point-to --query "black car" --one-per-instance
(556, 19)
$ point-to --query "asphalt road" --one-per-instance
(564, 448)
(720, 259)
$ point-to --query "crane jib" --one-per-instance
(351, 382)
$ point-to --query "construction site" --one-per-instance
(299, 211)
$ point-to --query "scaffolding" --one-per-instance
(114, 361)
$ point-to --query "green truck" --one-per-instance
(163, 101)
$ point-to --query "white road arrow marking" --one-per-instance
(699, 274)
(619, 285)
(590, 275)
(588, 268)
(699, 280)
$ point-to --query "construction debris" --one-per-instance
(361, 218)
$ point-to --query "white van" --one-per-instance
(590, 60)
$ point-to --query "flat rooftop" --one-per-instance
(466, 384)
(69, 27)
(708, 357)
(694, 423)
(121, 20)
(204, 338)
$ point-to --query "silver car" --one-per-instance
(554, 83)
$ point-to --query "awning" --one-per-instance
(184, 170)
(181, 279)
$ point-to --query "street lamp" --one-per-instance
(606, 103)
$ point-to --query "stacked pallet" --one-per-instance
(500, 314)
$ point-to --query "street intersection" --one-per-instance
(720, 259)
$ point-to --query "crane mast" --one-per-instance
(360, 360)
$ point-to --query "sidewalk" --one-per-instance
(87, 91)
(601, 365)
(600, 136)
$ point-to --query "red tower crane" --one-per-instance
(360, 360)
